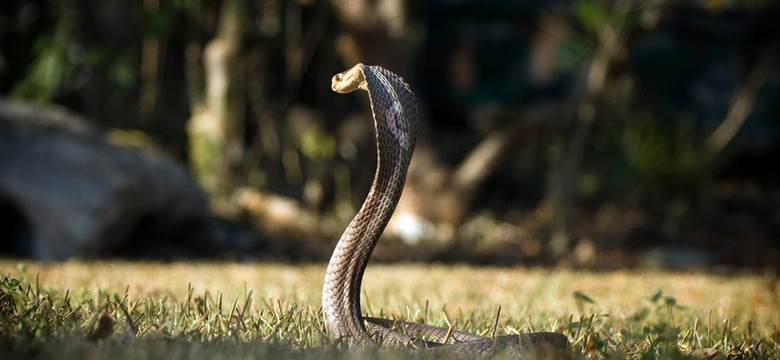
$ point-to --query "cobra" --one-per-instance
(394, 109)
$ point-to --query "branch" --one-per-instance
(746, 97)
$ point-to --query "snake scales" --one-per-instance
(394, 109)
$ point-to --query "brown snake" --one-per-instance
(394, 109)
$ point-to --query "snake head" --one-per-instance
(349, 80)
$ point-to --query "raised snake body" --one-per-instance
(394, 109)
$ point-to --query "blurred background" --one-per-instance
(590, 134)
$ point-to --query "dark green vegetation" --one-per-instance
(582, 129)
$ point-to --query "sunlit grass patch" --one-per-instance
(216, 310)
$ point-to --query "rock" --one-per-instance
(74, 193)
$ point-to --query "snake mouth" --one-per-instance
(349, 81)
(334, 82)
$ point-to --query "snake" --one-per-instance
(394, 111)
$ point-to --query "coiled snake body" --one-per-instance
(394, 109)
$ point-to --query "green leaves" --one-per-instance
(55, 59)
(580, 297)
(595, 16)
(591, 15)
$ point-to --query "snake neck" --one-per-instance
(395, 126)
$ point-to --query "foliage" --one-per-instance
(148, 73)
(650, 158)
(56, 58)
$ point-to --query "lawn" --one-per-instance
(227, 310)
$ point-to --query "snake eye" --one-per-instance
(337, 77)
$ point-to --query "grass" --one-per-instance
(236, 311)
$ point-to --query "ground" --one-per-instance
(231, 310)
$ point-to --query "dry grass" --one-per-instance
(208, 310)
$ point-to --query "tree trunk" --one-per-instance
(215, 113)
(584, 111)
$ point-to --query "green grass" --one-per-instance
(237, 311)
